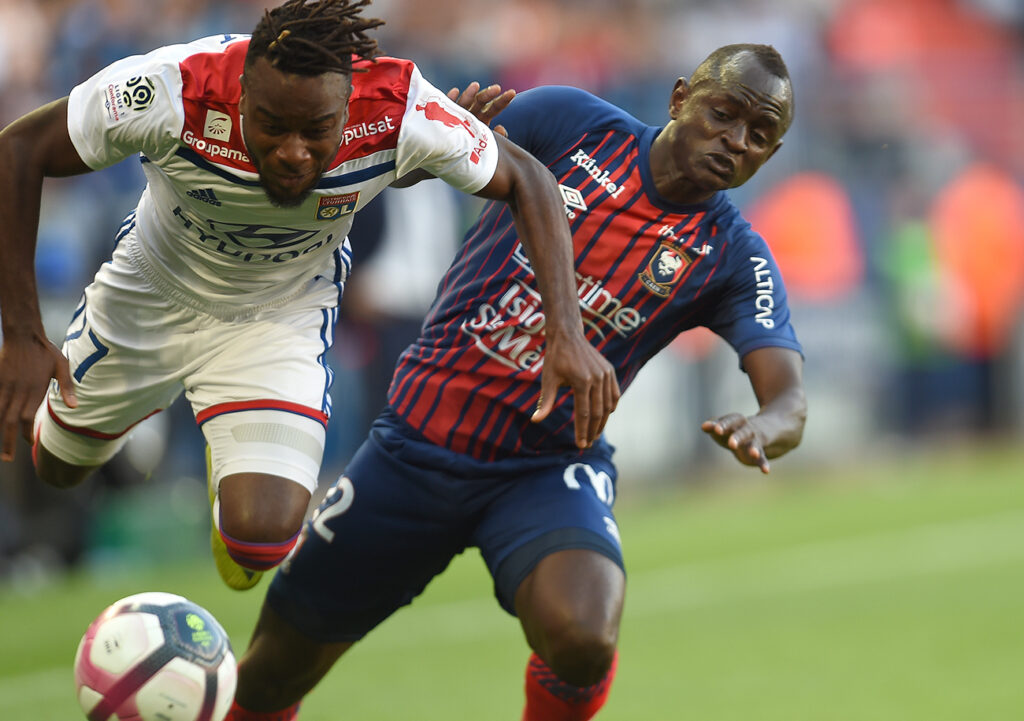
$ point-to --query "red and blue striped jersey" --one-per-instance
(646, 270)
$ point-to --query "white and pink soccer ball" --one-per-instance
(155, 657)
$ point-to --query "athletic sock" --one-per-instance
(237, 713)
(257, 556)
(550, 699)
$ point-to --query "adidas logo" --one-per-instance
(204, 194)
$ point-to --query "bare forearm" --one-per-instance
(545, 236)
(20, 193)
(35, 146)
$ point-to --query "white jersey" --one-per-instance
(206, 233)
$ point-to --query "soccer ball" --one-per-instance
(155, 657)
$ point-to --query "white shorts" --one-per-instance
(258, 383)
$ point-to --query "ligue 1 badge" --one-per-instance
(332, 207)
(664, 269)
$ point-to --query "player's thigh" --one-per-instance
(259, 392)
(124, 369)
(566, 505)
(265, 442)
(572, 599)
(383, 531)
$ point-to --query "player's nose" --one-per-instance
(293, 152)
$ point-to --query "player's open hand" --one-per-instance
(485, 104)
(26, 367)
(740, 435)
(575, 363)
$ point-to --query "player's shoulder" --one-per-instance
(213, 50)
(736, 233)
(574, 104)
(736, 224)
(546, 117)
(210, 66)
(730, 223)
(381, 78)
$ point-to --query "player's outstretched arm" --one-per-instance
(484, 103)
(569, 358)
(31, 148)
(776, 377)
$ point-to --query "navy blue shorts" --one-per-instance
(405, 507)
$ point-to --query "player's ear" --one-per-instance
(774, 150)
(241, 98)
(679, 92)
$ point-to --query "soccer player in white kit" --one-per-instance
(226, 278)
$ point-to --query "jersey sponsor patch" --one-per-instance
(218, 125)
(433, 108)
(134, 95)
(332, 207)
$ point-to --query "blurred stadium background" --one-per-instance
(875, 574)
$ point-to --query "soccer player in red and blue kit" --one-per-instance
(456, 461)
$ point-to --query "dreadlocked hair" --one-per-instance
(312, 37)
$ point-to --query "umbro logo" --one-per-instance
(573, 200)
(204, 194)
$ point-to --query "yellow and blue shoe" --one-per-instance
(235, 576)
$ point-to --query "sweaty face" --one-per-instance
(722, 130)
(292, 126)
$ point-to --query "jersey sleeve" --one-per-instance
(444, 139)
(754, 311)
(132, 106)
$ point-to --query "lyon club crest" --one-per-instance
(331, 207)
(664, 269)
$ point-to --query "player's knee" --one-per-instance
(55, 472)
(581, 653)
(258, 529)
(262, 510)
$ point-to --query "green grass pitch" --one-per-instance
(874, 591)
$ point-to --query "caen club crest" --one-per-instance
(664, 269)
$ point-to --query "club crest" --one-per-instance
(664, 268)
(332, 207)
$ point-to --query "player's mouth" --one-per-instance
(292, 184)
(287, 191)
(721, 165)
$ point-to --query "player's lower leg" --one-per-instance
(256, 522)
(52, 470)
(279, 668)
(548, 698)
(235, 576)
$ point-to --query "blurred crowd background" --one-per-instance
(895, 209)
